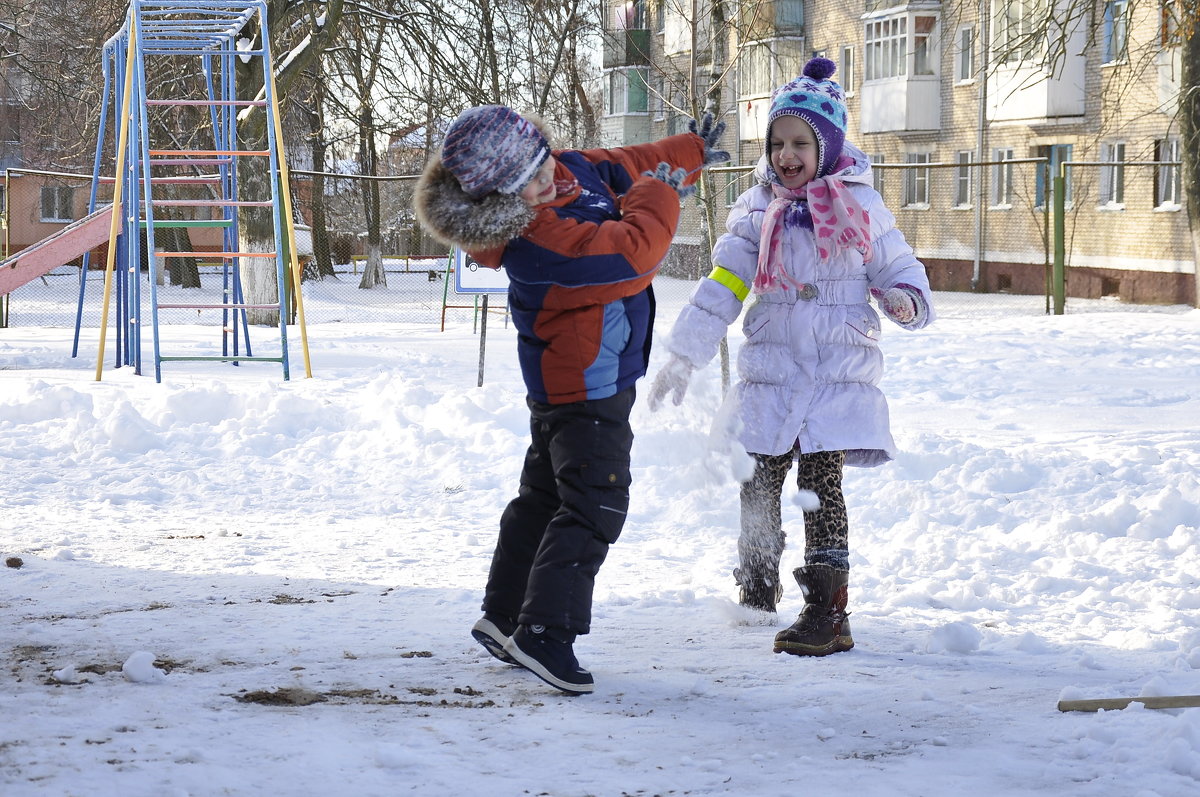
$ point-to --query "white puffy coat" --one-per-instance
(809, 369)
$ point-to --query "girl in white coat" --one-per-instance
(814, 242)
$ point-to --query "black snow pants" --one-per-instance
(570, 507)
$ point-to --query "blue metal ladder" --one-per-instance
(209, 30)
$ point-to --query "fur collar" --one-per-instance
(445, 211)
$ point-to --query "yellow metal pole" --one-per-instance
(117, 214)
(286, 191)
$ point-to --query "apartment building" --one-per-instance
(955, 103)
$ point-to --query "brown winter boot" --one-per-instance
(822, 627)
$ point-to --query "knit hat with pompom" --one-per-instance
(819, 101)
(492, 148)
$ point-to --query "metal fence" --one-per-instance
(983, 230)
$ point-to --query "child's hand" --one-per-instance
(710, 133)
(673, 178)
(673, 378)
(896, 303)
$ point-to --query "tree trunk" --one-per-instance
(322, 263)
(373, 272)
(1189, 134)
(256, 231)
(256, 226)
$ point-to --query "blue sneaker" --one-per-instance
(548, 654)
(492, 631)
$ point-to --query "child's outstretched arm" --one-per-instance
(897, 278)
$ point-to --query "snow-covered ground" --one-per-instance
(237, 585)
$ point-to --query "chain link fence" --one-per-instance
(983, 230)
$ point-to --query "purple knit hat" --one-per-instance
(493, 148)
(819, 101)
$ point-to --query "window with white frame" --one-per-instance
(1116, 30)
(58, 203)
(964, 183)
(1055, 155)
(1015, 30)
(769, 64)
(627, 91)
(964, 57)
(916, 180)
(900, 45)
(1167, 183)
(845, 72)
(1112, 176)
(885, 48)
(877, 174)
(1002, 178)
(924, 42)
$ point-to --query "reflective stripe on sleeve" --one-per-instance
(731, 281)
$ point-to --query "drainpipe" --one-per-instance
(981, 143)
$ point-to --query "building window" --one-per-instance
(964, 59)
(845, 71)
(885, 48)
(1002, 178)
(916, 181)
(1055, 154)
(924, 54)
(889, 43)
(1112, 178)
(963, 180)
(57, 203)
(10, 122)
(877, 174)
(1018, 30)
(627, 92)
(1116, 30)
(789, 14)
(1167, 185)
(769, 64)
(658, 98)
(627, 15)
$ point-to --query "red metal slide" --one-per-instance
(70, 242)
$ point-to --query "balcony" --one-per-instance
(1028, 94)
(901, 104)
(626, 48)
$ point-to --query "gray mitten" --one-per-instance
(673, 178)
(710, 133)
(673, 379)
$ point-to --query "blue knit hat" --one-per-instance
(493, 148)
(819, 101)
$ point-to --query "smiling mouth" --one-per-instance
(790, 171)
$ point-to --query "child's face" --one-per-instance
(541, 188)
(794, 151)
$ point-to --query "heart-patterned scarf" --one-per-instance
(838, 222)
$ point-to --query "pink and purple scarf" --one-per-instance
(838, 222)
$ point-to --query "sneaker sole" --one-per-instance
(537, 668)
(493, 640)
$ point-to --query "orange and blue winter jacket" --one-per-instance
(580, 266)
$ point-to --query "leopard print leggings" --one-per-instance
(826, 529)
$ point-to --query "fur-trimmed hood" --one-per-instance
(445, 211)
(474, 225)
